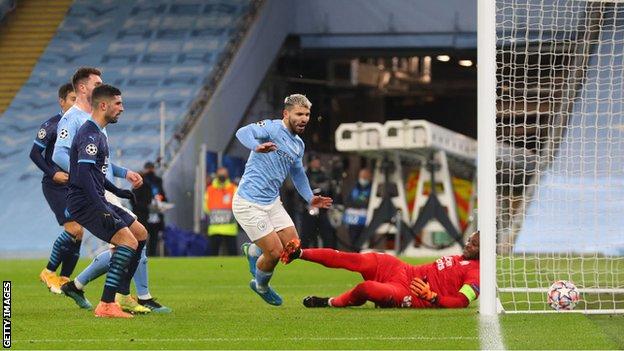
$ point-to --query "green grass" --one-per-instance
(214, 308)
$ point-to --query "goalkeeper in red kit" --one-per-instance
(449, 282)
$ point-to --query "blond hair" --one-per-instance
(296, 100)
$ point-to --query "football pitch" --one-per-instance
(215, 309)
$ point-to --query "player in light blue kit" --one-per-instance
(276, 151)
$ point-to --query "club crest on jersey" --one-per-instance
(41, 134)
(261, 123)
(91, 149)
(63, 134)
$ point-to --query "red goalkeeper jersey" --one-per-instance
(448, 274)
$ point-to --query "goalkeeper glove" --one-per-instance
(421, 289)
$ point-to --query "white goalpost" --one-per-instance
(551, 153)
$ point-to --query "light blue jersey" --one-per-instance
(67, 128)
(265, 172)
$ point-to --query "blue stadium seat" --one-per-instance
(154, 51)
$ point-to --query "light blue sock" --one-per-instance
(262, 280)
(140, 277)
(254, 250)
(98, 267)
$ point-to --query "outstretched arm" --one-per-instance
(302, 184)
(251, 136)
(460, 299)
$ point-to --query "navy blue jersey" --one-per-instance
(90, 146)
(45, 140)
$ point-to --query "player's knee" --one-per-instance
(139, 231)
(365, 287)
(74, 229)
(124, 237)
(274, 254)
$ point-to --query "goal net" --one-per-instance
(560, 152)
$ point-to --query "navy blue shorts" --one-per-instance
(56, 196)
(92, 220)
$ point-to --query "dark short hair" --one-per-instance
(148, 165)
(64, 90)
(104, 91)
(83, 73)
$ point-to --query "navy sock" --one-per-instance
(118, 267)
(71, 254)
(56, 256)
(124, 287)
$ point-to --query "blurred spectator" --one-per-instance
(147, 210)
(356, 205)
(315, 222)
(222, 227)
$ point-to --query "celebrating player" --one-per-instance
(86, 203)
(276, 151)
(449, 282)
(54, 184)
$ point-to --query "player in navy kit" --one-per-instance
(54, 185)
(89, 162)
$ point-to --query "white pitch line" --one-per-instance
(388, 338)
(490, 333)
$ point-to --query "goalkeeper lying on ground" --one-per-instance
(449, 282)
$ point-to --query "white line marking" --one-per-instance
(388, 338)
(490, 333)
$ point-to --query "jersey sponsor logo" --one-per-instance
(104, 169)
(285, 155)
(41, 134)
(261, 123)
(63, 134)
(464, 263)
(91, 149)
(444, 262)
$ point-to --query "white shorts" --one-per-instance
(260, 220)
(113, 199)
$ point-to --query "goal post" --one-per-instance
(486, 155)
(551, 152)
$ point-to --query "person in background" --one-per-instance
(152, 190)
(356, 207)
(222, 227)
(315, 221)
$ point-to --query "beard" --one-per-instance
(112, 119)
(294, 128)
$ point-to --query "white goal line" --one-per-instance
(139, 340)
(605, 311)
(582, 290)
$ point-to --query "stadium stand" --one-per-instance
(25, 35)
(6, 6)
(582, 169)
(153, 50)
